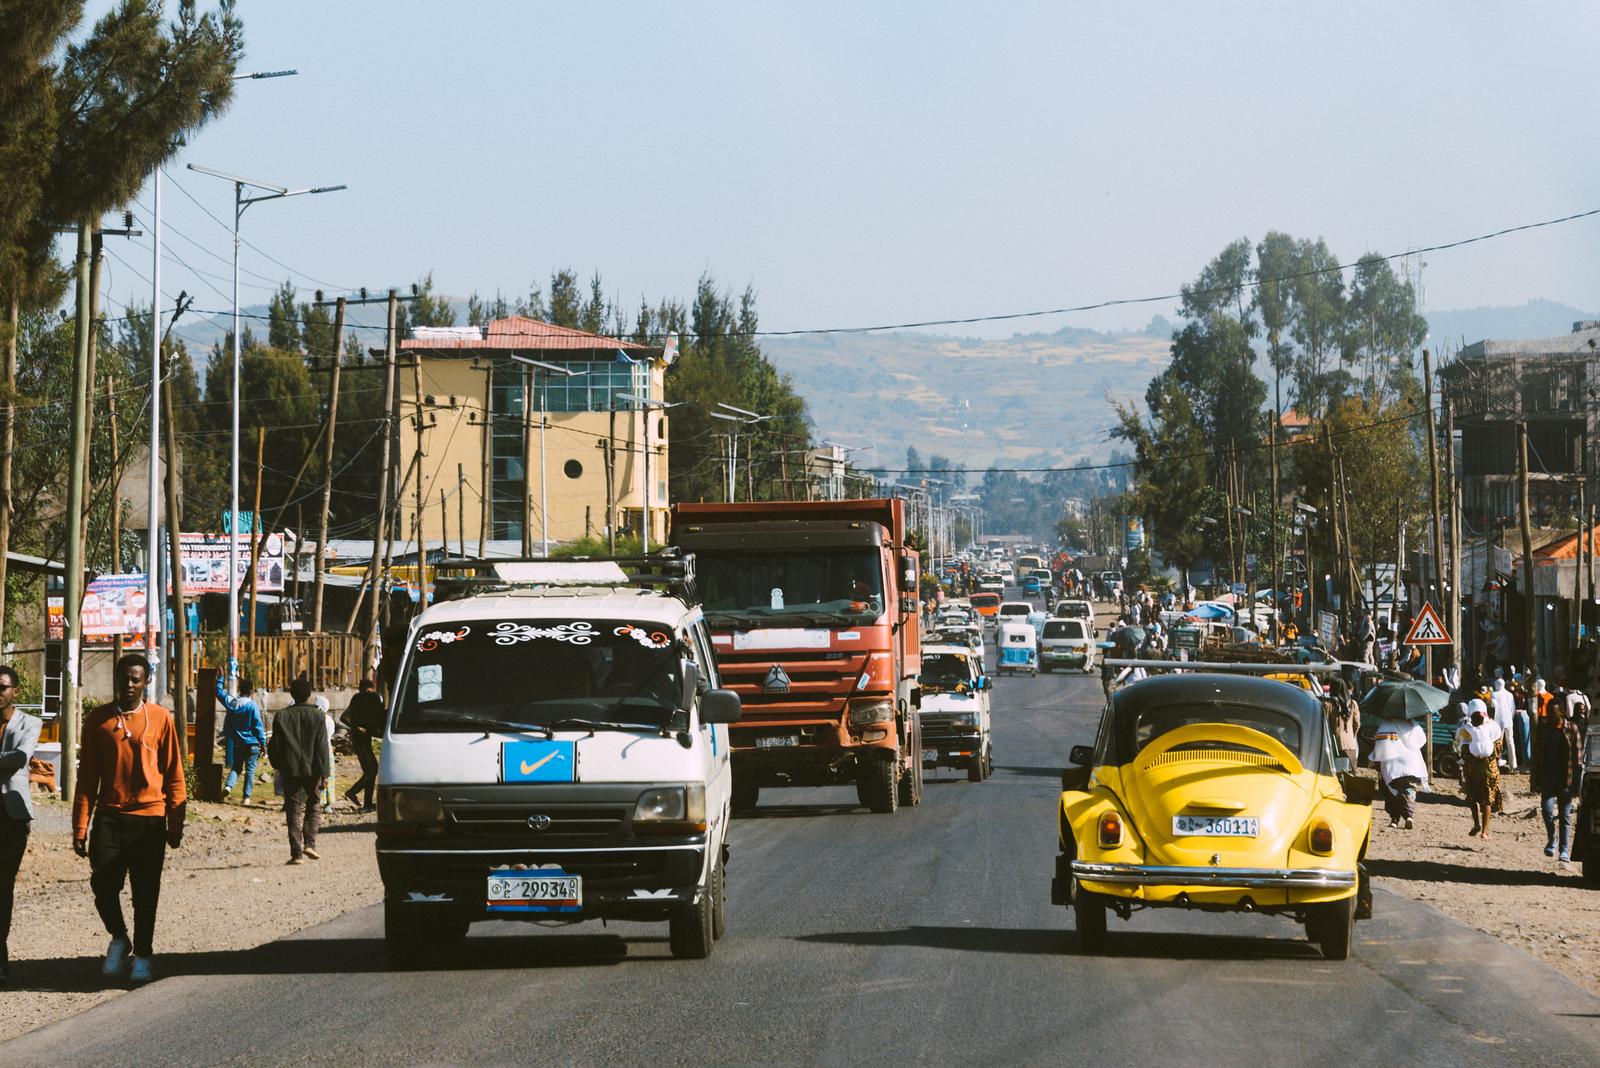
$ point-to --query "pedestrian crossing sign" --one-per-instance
(1427, 628)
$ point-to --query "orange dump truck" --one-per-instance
(813, 612)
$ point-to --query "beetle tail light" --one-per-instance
(1110, 830)
(1321, 837)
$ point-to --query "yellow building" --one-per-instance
(514, 451)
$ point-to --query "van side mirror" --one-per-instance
(691, 682)
(984, 683)
(720, 706)
(1081, 755)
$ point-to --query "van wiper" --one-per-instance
(489, 723)
(592, 725)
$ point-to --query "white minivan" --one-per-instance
(556, 751)
(1066, 643)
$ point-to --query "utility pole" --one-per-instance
(1453, 496)
(256, 528)
(1531, 645)
(486, 494)
(1277, 586)
(1433, 482)
(461, 510)
(116, 503)
(72, 599)
(152, 568)
(319, 565)
(422, 546)
(178, 676)
(1575, 635)
(609, 446)
(381, 534)
(1588, 568)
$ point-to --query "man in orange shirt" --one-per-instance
(130, 780)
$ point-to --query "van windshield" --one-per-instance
(538, 672)
(1063, 628)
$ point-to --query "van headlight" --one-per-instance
(400, 804)
(871, 710)
(965, 719)
(671, 810)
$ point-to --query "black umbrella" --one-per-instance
(1403, 700)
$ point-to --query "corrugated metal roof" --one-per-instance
(521, 332)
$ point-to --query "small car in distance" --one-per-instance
(955, 711)
(1066, 643)
(1074, 609)
(1218, 792)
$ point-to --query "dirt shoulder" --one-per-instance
(1503, 885)
(226, 888)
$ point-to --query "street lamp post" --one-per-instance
(240, 203)
(544, 413)
(738, 417)
(647, 405)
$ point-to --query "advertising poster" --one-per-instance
(205, 563)
(112, 605)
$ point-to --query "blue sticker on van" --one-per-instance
(538, 761)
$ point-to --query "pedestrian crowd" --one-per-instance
(131, 797)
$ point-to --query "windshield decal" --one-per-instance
(435, 638)
(578, 632)
(430, 682)
(652, 639)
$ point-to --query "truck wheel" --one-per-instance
(911, 780)
(1045, 668)
(975, 770)
(689, 931)
(1089, 915)
(876, 786)
(745, 792)
(1591, 863)
(719, 904)
(411, 939)
(1332, 926)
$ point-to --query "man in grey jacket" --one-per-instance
(299, 750)
(19, 735)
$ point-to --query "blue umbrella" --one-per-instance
(1211, 611)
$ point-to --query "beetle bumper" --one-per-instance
(1243, 878)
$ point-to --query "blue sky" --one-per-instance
(877, 162)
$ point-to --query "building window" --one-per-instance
(596, 388)
(572, 469)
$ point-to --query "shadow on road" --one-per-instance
(348, 828)
(1029, 772)
(784, 812)
(1152, 945)
(1436, 871)
(342, 956)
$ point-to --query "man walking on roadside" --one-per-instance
(130, 783)
(299, 750)
(19, 734)
(364, 717)
(1554, 774)
(245, 732)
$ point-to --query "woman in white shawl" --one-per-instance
(1480, 740)
(1397, 754)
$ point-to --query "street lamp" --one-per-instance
(240, 203)
(739, 417)
(646, 404)
(544, 501)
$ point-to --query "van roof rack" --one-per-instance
(670, 572)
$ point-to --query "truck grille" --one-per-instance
(818, 685)
(567, 825)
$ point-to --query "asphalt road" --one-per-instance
(923, 937)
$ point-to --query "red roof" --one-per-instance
(521, 332)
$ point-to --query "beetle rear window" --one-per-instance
(1152, 723)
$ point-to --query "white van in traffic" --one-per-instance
(1066, 643)
(556, 751)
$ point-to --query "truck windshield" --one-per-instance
(537, 672)
(755, 588)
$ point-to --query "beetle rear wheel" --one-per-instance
(1089, 913)
(1332, 926)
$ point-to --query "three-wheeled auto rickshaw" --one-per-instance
(1019, 648)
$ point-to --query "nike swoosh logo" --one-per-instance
(529, 769)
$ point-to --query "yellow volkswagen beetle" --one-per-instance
(1217, 792)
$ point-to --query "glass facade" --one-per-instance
(594, 390)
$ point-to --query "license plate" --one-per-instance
(536, 890)
(929, 756)
(777, 741)
(1217, 826)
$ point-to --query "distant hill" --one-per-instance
(1026, 398)
(1452, 330)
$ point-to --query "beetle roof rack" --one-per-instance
(669, 572)
(1213, 665)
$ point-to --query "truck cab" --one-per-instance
(814, 614)
(556, 751)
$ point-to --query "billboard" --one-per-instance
(205, 563)
(112, 605)
(1135, 535)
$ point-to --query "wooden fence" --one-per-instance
(330, 661)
